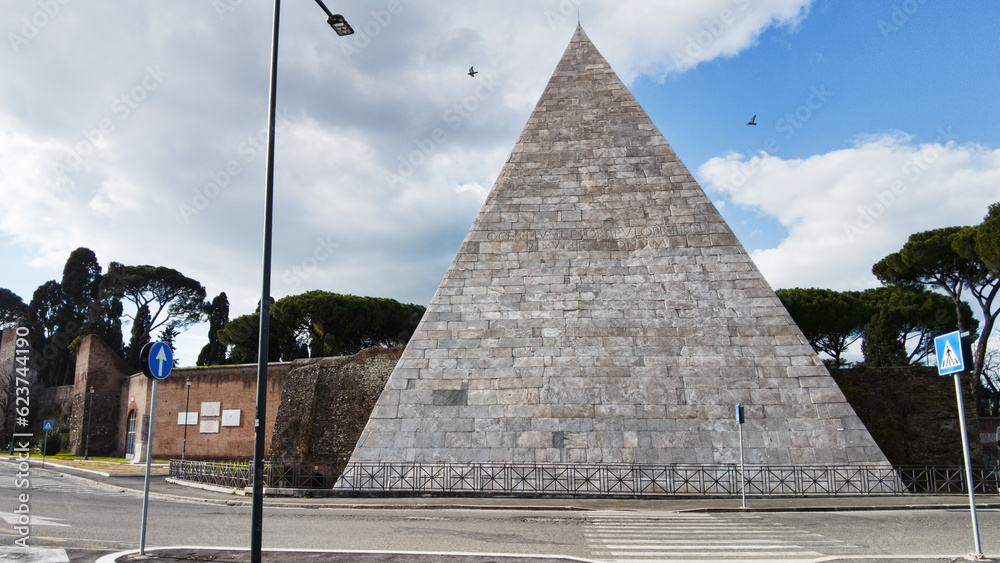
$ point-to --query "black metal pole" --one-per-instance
(257, 508)
(329, 14)
(187, 402)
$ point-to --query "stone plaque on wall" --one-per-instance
(231, 417)
(211, 408)
(209, 427)
(187, 418)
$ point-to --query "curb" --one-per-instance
(214, 488)
(855, 508)
(37, 462)
(113, 557)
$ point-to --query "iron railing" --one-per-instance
(239, 474)
(658, 480)
(585, 480)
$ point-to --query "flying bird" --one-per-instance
(473, 72)
(753, 120)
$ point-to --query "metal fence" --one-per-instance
(597, 480)
(659, 480)
(239, 474)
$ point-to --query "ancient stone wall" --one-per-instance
(912, 413)
(326, 403)
(95, 416)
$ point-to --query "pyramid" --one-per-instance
(600, 312)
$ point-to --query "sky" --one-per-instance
(137, 129)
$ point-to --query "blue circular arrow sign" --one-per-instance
(157, 360)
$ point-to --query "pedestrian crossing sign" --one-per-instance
(46, 425)
(949, 353)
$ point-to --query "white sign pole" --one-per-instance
(743, 481)
(968, 465)
(954, 357)
(149, 459)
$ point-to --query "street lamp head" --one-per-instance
(91, 388)
(340, 25)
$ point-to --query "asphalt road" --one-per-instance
(89, 520)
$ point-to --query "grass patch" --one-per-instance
(117, 467)
(68, 456)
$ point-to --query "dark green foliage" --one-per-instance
(49, 346)
(60, 313)
(167, 336)
(881, 345)
(104, 317)
(919, 315)
(79, 287)
(53, 443)
(337, 324)
(989, 389)
(830, 320)
(242, 334)
(140, 336)
(988, 240)
(214, 353)
(321, 323)
(12, 308)
(953, 259)
(164, 296)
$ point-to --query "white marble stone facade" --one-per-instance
(600, 311)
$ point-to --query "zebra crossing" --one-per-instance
(682, 536)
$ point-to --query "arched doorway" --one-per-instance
(130, 435)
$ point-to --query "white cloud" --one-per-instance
(475, 188)
(178, 94)
(847, 209)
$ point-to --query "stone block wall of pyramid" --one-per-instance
(600, 313)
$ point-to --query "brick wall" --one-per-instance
(97, 416)
(217, 394)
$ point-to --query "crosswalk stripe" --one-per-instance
(701, 538)
(33, 555)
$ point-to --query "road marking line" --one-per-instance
(33, 555)
(12, 518)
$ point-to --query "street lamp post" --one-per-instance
(341, 26)
(86, 448)
(187, 401)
